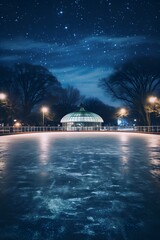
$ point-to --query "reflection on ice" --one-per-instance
(44, 149)
(154, 154)
(2, 165)
(80, 186)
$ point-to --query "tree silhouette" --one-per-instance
(26, 86)
(105, 111)
(32, 84)
(7, 86)
(133, 83)
(68, 100)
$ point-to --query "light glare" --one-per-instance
(2, 96)
(44, 109)
(152, 99)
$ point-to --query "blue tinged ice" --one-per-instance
(97, 183)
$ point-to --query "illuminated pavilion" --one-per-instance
(82, 120)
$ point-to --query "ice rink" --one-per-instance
(82, 186)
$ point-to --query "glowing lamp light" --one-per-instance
(17, 124)
(122, 112)
(3, 96)
(44, 109)
(152, 99)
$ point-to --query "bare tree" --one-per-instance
(70, 96)
(5, 111)
(153, 109)
(7, 87)
(32, 83)
(27, 86)
(105, 111)
(133, 83)
(68, 100)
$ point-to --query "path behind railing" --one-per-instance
(30, 129)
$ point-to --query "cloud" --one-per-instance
(81, 75)
(130, 40)
(10, 58)
(83, 78)
(22, 44)
(80, 63)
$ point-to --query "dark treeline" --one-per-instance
(29, 87)
(133, 84)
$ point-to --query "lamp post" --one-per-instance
(3, 97)
(44, 110)
(152, 101)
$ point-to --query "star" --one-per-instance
(61, 34)
(60, 13)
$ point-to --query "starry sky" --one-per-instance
(79, 41)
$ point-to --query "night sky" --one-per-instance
(80, 41)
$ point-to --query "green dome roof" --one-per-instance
(82, 116)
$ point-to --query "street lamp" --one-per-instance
(3, 96)
(17, 124)
(44, 110)
(152, 99)
(122, 112)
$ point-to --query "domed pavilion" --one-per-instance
(82, 120)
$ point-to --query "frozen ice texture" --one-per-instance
(80, 186)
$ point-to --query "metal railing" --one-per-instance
(30, 129)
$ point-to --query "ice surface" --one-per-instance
(80, 186)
